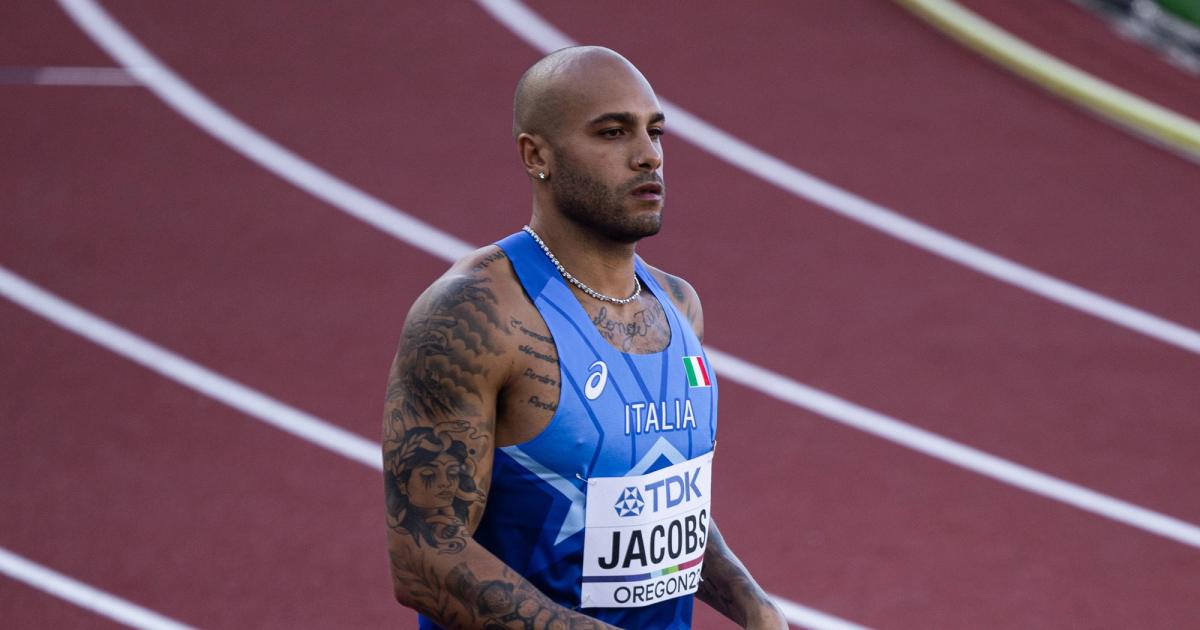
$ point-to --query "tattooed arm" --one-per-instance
(727, 586)
(438, 439)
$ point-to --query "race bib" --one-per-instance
(645, 535)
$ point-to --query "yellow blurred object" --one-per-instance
(1124, 108)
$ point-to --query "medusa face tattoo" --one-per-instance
(431, 488)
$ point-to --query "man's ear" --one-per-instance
(535, 155)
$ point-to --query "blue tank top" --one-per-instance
(642, 416)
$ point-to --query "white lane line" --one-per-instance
(65, 75)
(83, 595)
(187, 372)
(806, 617)
(119, 43)
(934, 445)
(194, 106)
(249, 401)
(209, 116)
(543, 36)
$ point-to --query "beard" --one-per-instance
(587, 202)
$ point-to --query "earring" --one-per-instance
(542, 175)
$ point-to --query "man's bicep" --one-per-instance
(439, 418)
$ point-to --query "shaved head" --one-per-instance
(587, 126)
(548, 90)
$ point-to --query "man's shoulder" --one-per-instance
(683, 295)
(480, 288)
(464, 318)
(485, 261)
(483, 275)
(682, 292)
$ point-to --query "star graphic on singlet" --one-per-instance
(573, 520)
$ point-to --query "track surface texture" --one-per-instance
(158, 494)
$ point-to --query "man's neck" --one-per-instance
(601, 263)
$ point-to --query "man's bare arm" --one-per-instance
(727, 586)
(438, 439)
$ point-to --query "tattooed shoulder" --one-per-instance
(685, 298)
(450, 333)
(485, 257)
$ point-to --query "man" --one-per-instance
(557, 381)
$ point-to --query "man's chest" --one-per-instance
(532, 395)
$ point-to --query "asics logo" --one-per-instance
(596, 380)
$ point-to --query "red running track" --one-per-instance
(157, 494)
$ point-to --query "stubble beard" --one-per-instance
(587, 202)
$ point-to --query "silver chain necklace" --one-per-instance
(575, 281)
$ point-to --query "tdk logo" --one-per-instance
(664, 494)
(630, 502)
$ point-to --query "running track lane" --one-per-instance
(726, 425)
(86, 597)
(150, 491)
(772, 472)
(241, 398)
(1038, 386)
(1068, 372)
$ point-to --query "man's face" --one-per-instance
(607, 170)
(434, 485)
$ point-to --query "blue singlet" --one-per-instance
(644, 415)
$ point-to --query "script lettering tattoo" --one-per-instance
(520, 325)
(541, 356)
(541, 378)
(488, 260)
(542, 404)
(646, 332)
(431, 453)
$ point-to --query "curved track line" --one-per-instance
(187, 372)
(250, 401)
(83, 595)
(244, 139)
(108, 34)
(543, 36)
(934, 445)
(809, 618)
(1127, 110)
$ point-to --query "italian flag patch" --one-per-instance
(697, 372)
